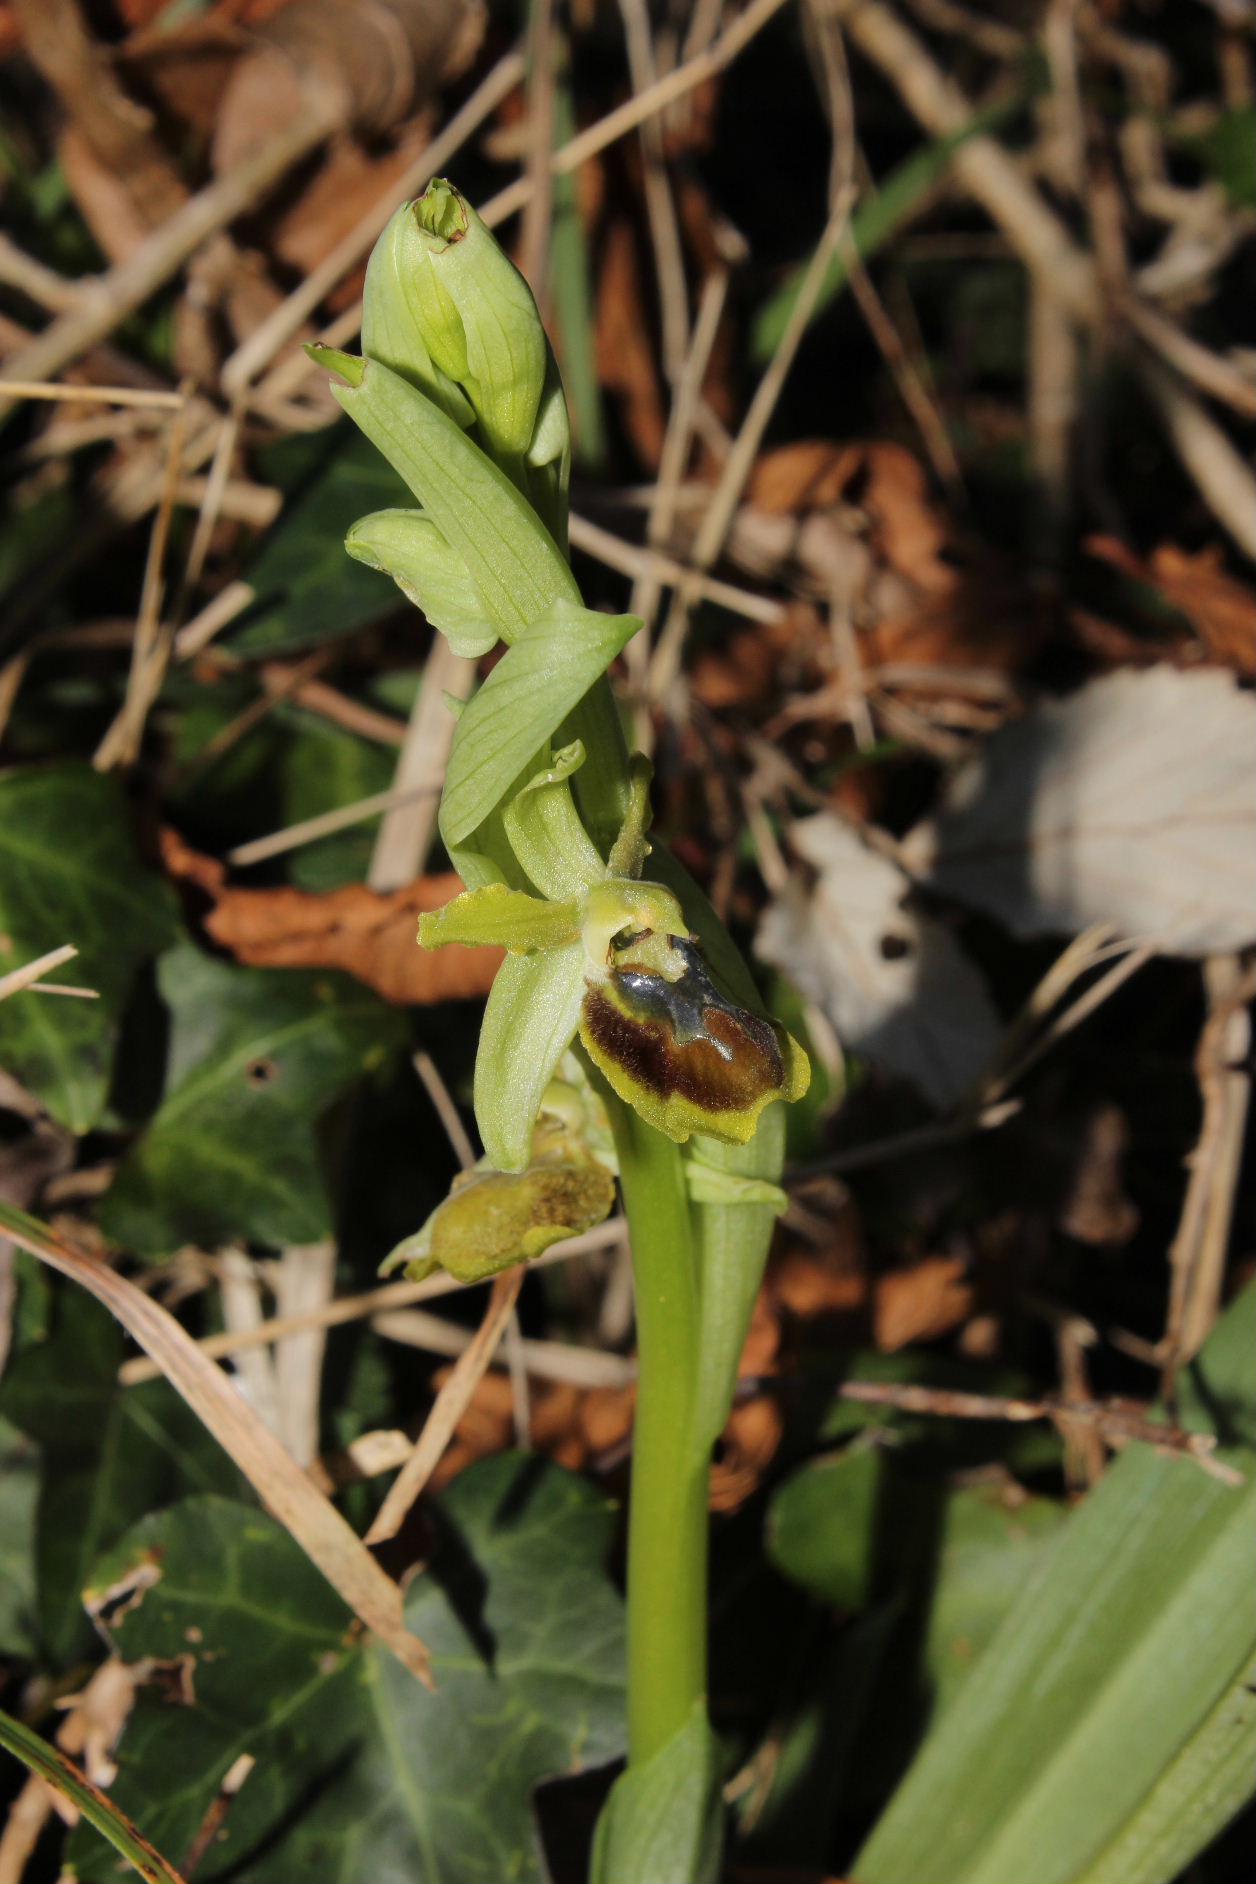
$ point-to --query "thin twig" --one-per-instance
(389, 1295)
(1116, 1425)
(405, 832)
(450, 1405)
(32, 972)
(91, 395)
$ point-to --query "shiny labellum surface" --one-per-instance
(683, 1055)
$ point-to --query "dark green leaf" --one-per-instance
(65, 1778)
(68, 873)
(108, 1455)
(19, 1489)
(360, 1773)
(307, 589)
(256, 1057)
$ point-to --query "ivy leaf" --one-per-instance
(69, 873)
(360, 1772)
(107, 1454)
(307, 588)
(256, 1057)
(525, 699)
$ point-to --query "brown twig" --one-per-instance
(450, 1405)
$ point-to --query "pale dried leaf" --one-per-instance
(1133, 801)
(896, 986)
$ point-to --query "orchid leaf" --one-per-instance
(508, 553)
(407, 546)
(522, 704)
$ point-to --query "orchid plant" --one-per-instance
(623, 1035)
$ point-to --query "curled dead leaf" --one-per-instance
(365, 932)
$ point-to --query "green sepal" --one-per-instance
(510, 556)
(525, 699)
(502, 918)
(492, 1220)
(532, 1012)
(407, 546)
(545, 831)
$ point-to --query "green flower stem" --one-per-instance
(667, 1519)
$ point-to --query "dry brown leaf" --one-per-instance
(367, 933)
(921, 1303)
(1220, 609)
(882, 480)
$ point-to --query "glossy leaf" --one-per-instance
(307, 589)
(69, 873)
(361, 1772)
(522, 704)
(107, 1454)
(1112, 1664)
(256, 1058)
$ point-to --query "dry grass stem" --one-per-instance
(31, 973)
(546, 1360)
(308, 830)
(282, 1486)
(406, 829)
(450, 1405)
(389, 1295)
(92, 395)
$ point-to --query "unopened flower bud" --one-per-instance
(440, 284)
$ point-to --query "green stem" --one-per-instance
(667, 1519)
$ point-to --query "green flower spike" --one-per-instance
(616, 964)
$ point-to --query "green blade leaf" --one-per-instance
(257, 1055)
(360, 1775)
(407, 546)
(69, 873)
(1113, 1661)
(664, 1819)
(96, 1808)
(533, 1007)
(510, 557)
(522, 704)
